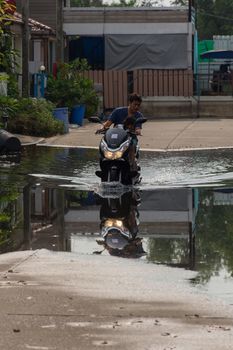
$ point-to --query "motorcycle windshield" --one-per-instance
(114, 137)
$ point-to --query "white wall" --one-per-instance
(125, 28)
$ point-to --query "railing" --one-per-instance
(116, 85)
(213, 84)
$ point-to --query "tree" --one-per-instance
(86, 3)
(123, 3)
(213, 17)
(115, 3)
(180, 2)
(7, 9)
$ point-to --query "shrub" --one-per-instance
(71, 87)
(30, 116)
(12, 86)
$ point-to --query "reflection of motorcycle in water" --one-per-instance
(119, 226)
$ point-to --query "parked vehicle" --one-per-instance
(114, 155)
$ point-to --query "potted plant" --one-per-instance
(72, 90)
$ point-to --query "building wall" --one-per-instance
(125, 15)
(97, 21)
(43, 11)
(115, 23)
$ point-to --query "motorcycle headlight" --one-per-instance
(113, 155)
(113, 222)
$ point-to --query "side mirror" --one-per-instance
(95, 120)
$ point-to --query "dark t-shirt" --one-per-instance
(119, 115)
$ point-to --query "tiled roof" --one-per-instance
(36, 27)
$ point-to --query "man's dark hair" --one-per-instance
(135, 97)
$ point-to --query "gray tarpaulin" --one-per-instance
(146, 51)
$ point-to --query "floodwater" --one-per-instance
(181, 215)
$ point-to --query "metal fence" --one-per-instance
(213, 84)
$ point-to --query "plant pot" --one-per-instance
(62, 114)
(77, 114)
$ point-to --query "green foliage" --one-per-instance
(124, 3)
(180, 2)
(168, 251)
(8, 106)
(12, 86)
(5, 15)
(71, 87)
(8, 196)
(214, 17)
(86, 3)
(7, 54)
(30, 116)
(214, 238)
(119, 3)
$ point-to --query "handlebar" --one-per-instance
(101, 131)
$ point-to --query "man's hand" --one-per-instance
(138, 132)
(100, 131)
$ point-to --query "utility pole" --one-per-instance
(25, 49)
(59, 31)
(190, 10)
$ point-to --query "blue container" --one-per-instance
(77, 114)
(62, 114)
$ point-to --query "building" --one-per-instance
(149, 50)
(41, 45)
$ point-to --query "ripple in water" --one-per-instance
(159, 169)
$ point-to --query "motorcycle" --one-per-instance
(114, 155)
(119, 220)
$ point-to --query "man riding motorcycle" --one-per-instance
(128, 117)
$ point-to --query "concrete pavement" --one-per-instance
(66, 301)
(170, 134)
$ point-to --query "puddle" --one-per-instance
(180, 216)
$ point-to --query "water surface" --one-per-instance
(180, 215)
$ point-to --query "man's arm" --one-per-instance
(107, 124)
(110, 120)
